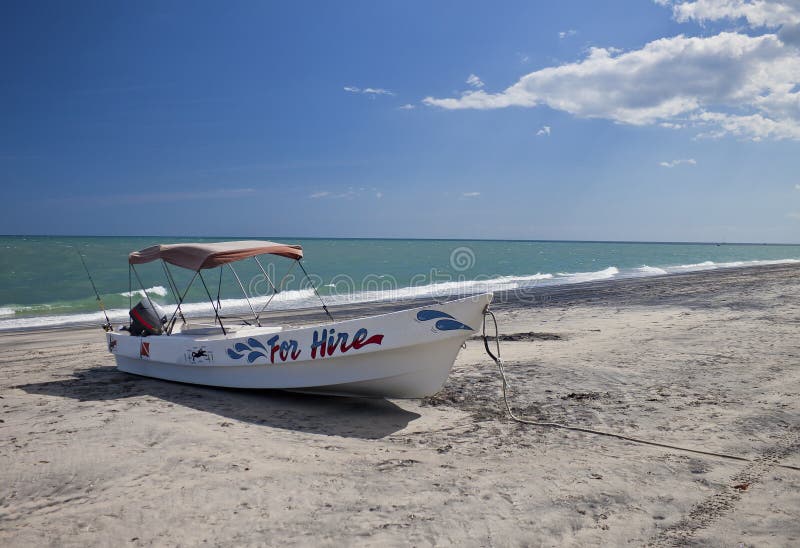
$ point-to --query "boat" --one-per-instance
(402, 354)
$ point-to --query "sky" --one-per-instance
(575, 120)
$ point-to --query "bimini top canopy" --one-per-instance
(210, 255)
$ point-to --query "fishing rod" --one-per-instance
(106, 326)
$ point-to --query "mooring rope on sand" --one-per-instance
(544, 424)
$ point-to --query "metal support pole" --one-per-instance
(258, 323)
(211, 300)
(325, 308)
(171, 322)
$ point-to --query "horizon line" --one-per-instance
(532, 240)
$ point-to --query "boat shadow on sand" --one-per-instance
(365, 418)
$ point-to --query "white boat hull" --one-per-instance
(405, 354)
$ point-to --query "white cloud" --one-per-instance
(470, 194)
(783, 15)
(349, 193)
(407, 106)
(730, 84)
(377, 91)
(673, 163)
(794, 215)
(368, 91)
(754, 126)
(757, 13)
(474, 81)
(566, 33)
(797, 187)
(544, 131)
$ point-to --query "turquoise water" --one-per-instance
(42, 281)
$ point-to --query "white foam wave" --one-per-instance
(282, 301)
(305, 298)
(705, 265)
(159, 290)
(651, 270)
(711, 265)
(579, 277)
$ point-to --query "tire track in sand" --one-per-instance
(707, 511)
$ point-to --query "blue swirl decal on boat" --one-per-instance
(425, 315)
(254, 343)
(241, 349)
(446, 322)
(451, 325)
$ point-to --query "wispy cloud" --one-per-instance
(794, 215)
(797, 187)
(673, 163)
(567, 33)
(470, 194)
(368, 91)
(475, 81)
(407, 106)
(544, 131)
(349, 193)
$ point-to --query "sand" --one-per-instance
(92, 456)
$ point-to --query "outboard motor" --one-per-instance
(147, 319)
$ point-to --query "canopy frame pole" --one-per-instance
(171, 322)
(324, 307)
(211, 299)
(143, 289)
(174, 288)
(247, 298)
(219, 289)
(130, 294)
(280, 286)
(264, 272)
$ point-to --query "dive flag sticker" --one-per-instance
(144, 350)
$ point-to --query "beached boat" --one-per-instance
(404, 354)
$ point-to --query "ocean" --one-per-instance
(43, 283)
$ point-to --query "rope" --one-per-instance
(544, 424)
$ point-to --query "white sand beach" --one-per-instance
(709, 360)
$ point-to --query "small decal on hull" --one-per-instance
(198, 354)
(144, 350)
(444, 321)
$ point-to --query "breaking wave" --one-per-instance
(651, 270)
(305, 298)
(159, 290)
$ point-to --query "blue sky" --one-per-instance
(622, 120)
